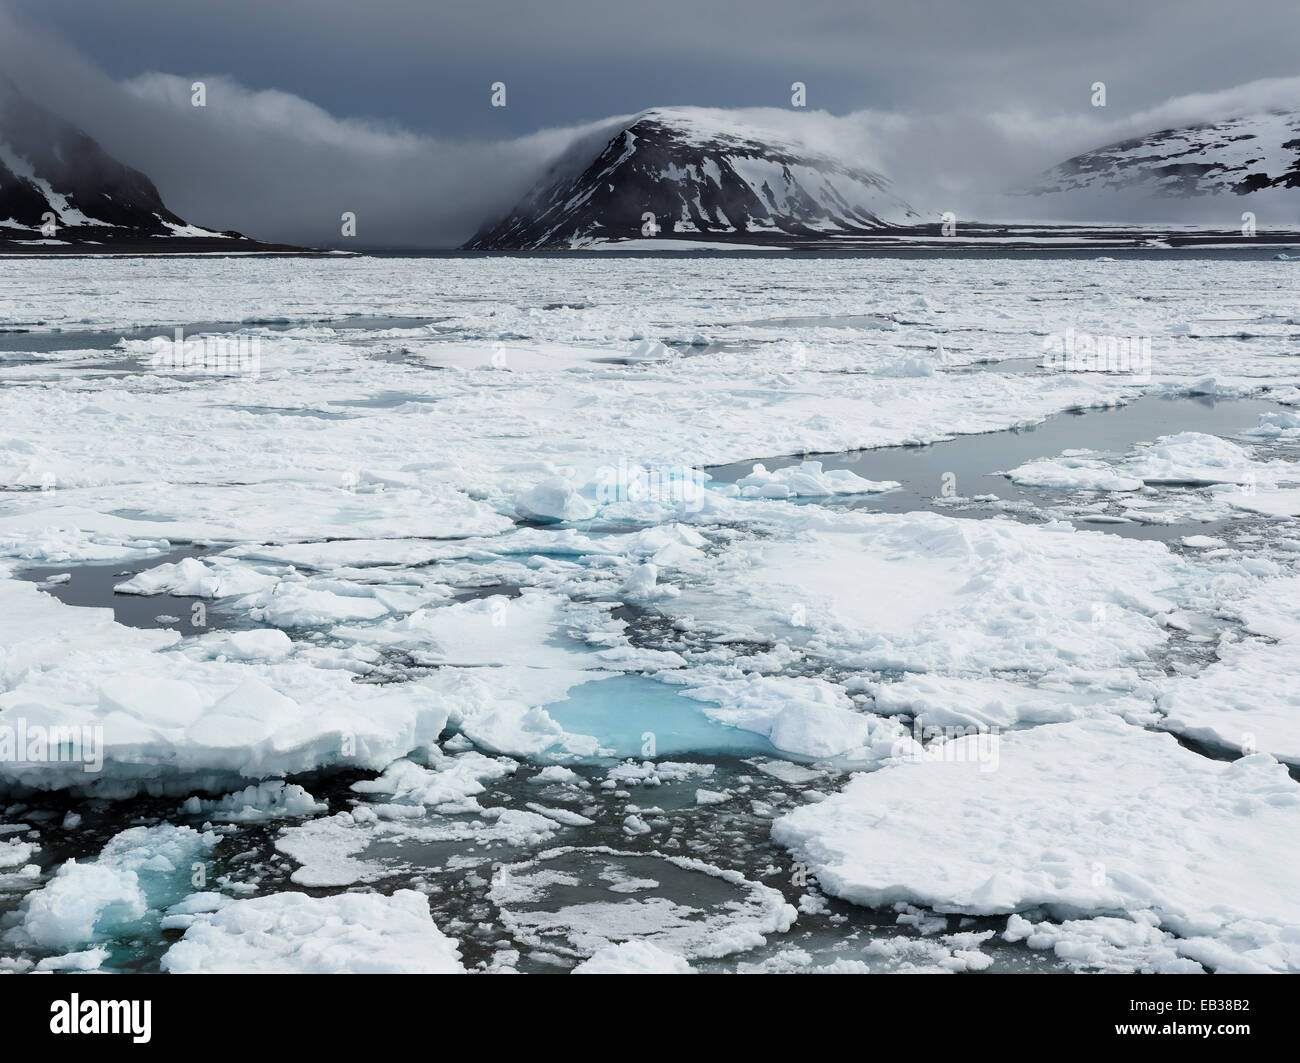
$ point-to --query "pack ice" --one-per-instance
(438, 639)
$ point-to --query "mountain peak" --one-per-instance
(692, 172)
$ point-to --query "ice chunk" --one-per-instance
(1201, 542)
(292, 603)
(269, 800)
(260, 644)
(1074, 472)
(801, 716)
(15, 853)
(140, 869)
(496, 629)
(1276, 424)
(554, 774)
(634, 957)
(293, 933)
(554, 500)
(951, 701)
(78, 901)
(808, 480)
(643, 585)
(89, 960)
(1106, 944)
(452, 781)
(1198, 458)
(191, 577)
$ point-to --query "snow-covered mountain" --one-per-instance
(1240, 155)
(60, 189)
(701, 174)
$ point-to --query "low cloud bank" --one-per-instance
(278, 167)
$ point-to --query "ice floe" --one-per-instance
(1248, 700)
(1087, 818)
(294, 933)
(925, 592)
(563, 901)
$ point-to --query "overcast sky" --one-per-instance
(383, 106)
(428, 64)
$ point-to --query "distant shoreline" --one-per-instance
(179, 247)
(970, 236)
(1026, 241)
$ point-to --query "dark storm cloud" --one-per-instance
(316, 107)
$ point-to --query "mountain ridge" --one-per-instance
(60, 191)
(1239, 155)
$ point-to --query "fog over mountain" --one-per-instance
(690, 172)
(278, 166)
(272, 164)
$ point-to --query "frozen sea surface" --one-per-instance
(738, 614)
